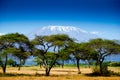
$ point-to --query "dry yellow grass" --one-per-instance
(74, 77)
(67, 73)
(56, 71)
(115, 69)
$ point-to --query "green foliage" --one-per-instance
(64, 55)
(106, 46)
(115, 64)
(13, 37)
(11, 62)
(60, 39)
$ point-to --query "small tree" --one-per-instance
(6, 41)
(80, 51)
(38, 60)
(11, 62)
(89, 54)
(22, 56)
(4, 59)
(74, 48)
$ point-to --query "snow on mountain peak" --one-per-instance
(64, 28)
(73, 32)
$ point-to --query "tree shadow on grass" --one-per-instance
(97, 74)
(13, 74)
(17, 74)
(53, 75)
(105, 75)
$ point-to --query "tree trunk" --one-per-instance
(4, 70)
(40, 65)
(101, 65)
(47, 72)
(20, 65)
(78, 66)
(62, 63)
(101, 71)
(4, 66)
(50, 67)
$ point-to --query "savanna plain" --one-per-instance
(57, 73)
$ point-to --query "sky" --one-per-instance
(101, 17)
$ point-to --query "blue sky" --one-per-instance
(99, 16)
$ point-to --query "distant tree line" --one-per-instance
(50, 50)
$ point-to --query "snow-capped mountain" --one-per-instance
(74, 32)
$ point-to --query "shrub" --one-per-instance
(115, 64)
(96, 70)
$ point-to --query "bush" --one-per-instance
(115, 64)
(96, 70)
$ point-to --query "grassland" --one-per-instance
(57, 73)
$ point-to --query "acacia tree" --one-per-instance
(44, 43)
(74, 49)
(80, 51)
(3, 59)
(21, 55)
(64, 56)
(103, 48)
(7, 44)
(88, 53)
(11, 62)
(22, 50)
(6, 41)
(41, 47)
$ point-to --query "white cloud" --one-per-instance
(94, 32)
(1, 34)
